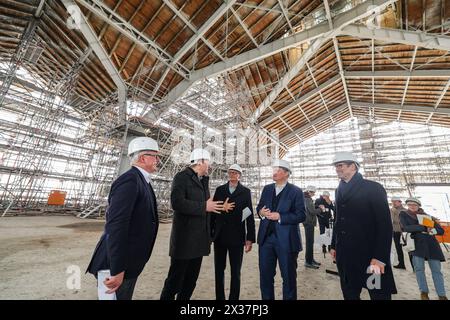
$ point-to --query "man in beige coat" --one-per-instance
(396, 208)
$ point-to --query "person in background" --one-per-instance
(310, 224)
(327, 217)
(427, 248)
(396, 208)
(362, 233)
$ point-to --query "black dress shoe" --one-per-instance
(311, 266)
(316, 263)
(400, 266)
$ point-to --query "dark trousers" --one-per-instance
(220, 260)
(351, 293)
(269, 252)
(398, 248)
(309, 237)
(182, 279)
(125, 291)
(322, 227)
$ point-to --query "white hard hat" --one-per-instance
(141, 144)
(415, 200)
(343, 156)
(310, 189)
(326, 193)
(282, 164)
(199, 154)
(236, 167)
(396, 199)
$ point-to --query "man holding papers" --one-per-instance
(232, 232)
(131, 224)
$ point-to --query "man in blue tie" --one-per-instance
(281, 209)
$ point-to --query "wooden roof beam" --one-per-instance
(102, 55)
(335, 26)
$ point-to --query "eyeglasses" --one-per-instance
(151, 155)
(341, 164)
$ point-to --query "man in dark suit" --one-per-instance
(362, 234)
(131, 222)
(190, 238)
(281, 209)
(231, 234)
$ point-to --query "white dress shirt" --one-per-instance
(278, 189)
(146, 175)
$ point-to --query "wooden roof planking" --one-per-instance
(158, 45)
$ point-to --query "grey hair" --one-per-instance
(135, 157)
(286, 170)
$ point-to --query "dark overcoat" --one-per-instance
(362, 232)
(191, 234)
(228, 228)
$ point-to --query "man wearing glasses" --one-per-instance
(131, 222)
(233, 232)
(362, 234)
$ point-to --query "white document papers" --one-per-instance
(246, 213)
(101, 277)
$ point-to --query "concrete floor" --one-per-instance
(35, 253)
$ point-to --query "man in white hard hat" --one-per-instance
(190, 238)
(281, 209)
(396, 208)
(233, 232)
(362, 235)
(131, 222)
(310, 224)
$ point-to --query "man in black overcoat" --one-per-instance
(362, 234)
(232, 234)
(190, 238)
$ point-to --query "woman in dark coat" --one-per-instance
(426, 248)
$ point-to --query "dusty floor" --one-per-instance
(35, 253)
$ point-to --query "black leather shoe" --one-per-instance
(311, 266)
(316, 263)
(400, 266)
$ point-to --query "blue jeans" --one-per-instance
(438, 279)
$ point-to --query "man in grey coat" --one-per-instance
(309, 225)
(396, 208)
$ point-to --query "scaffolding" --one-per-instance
(45, 143)
(400, 156)
(205, 113)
